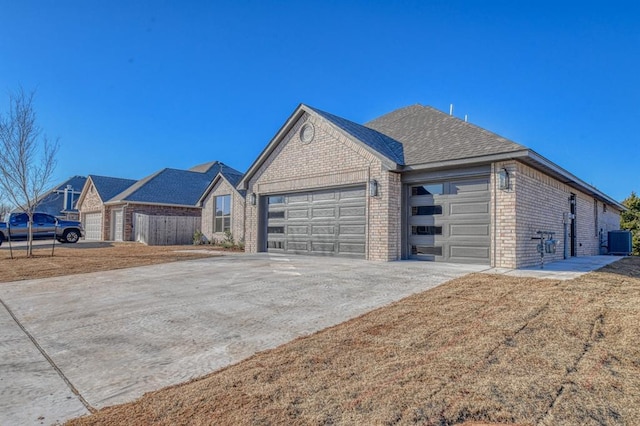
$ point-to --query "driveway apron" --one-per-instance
(78, 343)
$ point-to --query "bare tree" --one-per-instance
(27, 158)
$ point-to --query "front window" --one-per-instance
(222, 219)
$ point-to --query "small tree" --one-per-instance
(630, 220)
(27, 158)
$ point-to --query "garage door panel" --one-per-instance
(469, 186)
(298, 214)
(465, 208)
(93, 226)
(323, 230)
(468, 252)
(358, 230)
(323, 212)
(464, 230)
(453, 226)
(351, 248)
(329, 222)
(357, 212)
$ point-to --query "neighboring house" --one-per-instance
(168, 192)
(223, 207)
(94, 215)
(415, 183)
(61, 200)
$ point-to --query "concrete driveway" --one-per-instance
(72, 344)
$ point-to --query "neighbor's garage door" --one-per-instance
(449, 221)
(329, 222)
(93, 226)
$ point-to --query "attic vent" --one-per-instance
(307, 133)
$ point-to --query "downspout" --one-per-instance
(495, 215)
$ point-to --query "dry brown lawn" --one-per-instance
(70, 259)
(483, 349)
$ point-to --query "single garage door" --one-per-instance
(449, 221)
(93, 226)
(329, 222)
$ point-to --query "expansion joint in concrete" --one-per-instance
(48, 358)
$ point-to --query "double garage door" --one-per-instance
(328, 222)
(449, 221)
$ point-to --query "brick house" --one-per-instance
(223, 207)
(94, 215)
(108, 205)
(416, 183)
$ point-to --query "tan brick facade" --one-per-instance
(332, 159)
(91, 203)
(535, 202)
(222, 187)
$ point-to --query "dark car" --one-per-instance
(45, 226)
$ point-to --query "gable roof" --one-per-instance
(52, 202)
(388, 150)
(211, 168)
(380, 142)
(229, 174)
(76, 183)
(430, 136)
(167, 186)
(107, 187)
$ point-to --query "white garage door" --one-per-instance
(93, 226)
(329, 222)
(449, 221)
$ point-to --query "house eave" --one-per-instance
(528, 157)
(145, 203)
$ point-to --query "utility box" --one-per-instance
(550, 246)
(620, 243)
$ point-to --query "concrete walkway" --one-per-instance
(561, 269)
(72, 344)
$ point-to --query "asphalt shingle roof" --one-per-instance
(108, 187)
(168, 186)
(378, 141)
(76, 182)
(429, 135)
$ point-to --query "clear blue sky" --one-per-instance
(131, 87)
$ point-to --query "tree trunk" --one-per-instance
(30, 236)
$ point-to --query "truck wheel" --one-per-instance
(1, 238)
(71, 236)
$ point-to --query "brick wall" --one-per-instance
(223, 187)
(537, 202)
(330, 160)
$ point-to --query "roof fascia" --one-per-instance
(288, 125)
(212, 185)
(530, 157)
(573, 180)
(85, 189)
(126, 202)
(271, 146)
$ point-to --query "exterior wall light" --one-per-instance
(252, 198)
(503, 179)
(373, 188)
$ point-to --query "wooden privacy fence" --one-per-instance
(165, 230)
